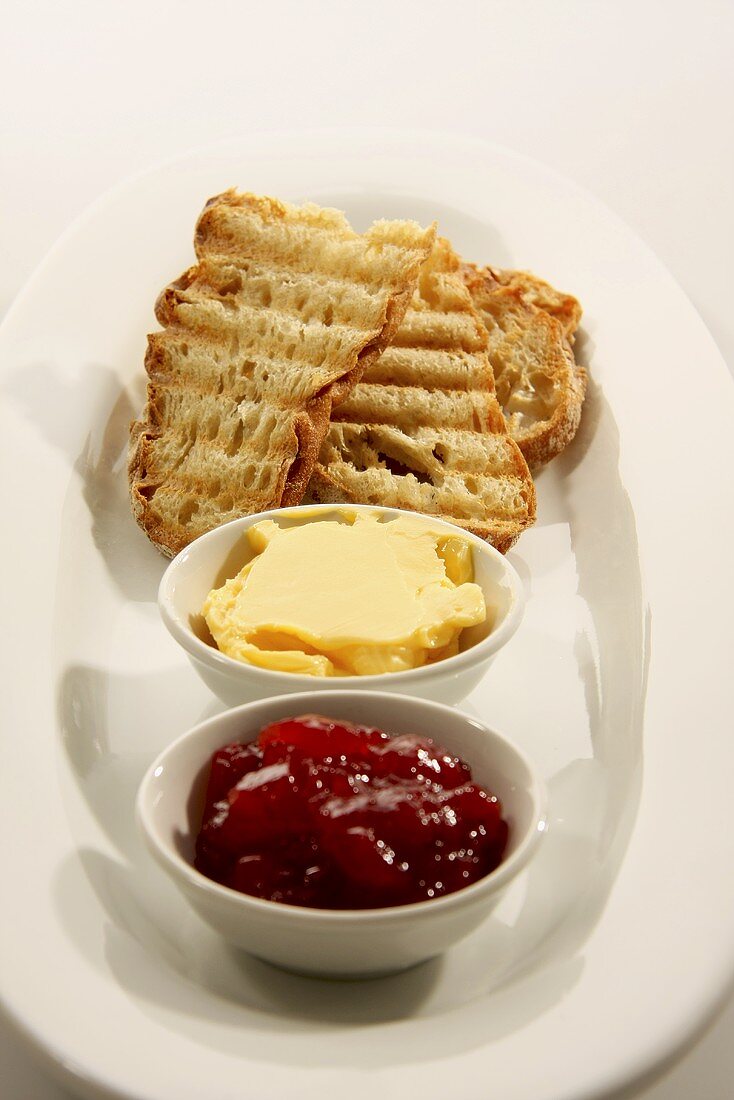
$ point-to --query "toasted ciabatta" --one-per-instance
(285, 308)
(539, 384)
(423, 429)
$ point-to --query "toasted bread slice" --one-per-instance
(285, 308)
(423, 429)
(564, 307)
(539, 385)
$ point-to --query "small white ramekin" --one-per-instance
(338, 943)
(215, 557)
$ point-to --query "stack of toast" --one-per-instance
(301, 361)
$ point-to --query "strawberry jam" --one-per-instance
(323, 813)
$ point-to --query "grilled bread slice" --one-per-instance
(539, 385)
(423, 429)
(285, 308)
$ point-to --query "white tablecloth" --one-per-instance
(632, 99)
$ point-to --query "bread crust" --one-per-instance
(537, 343)
(310, 427)
(564, 307)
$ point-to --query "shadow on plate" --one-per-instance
(54, 403)
(213, 992)
(594, 801)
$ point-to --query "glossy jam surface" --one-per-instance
(319, 812)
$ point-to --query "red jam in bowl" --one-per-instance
(319, 812)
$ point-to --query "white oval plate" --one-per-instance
(617, 942)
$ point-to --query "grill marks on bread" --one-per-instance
(294, 339)
(276, 322)
(423, 429)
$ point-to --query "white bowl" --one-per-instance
(220, 554)
(338, 943)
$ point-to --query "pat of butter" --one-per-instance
(339, 599)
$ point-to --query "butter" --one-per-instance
(341, 599)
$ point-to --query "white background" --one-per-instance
(632, 99)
